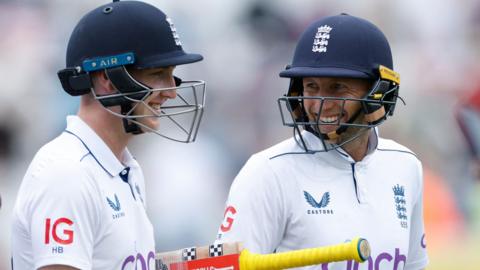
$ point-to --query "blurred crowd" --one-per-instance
(246, 44)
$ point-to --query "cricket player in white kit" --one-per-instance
(336, 179)
(81, 204)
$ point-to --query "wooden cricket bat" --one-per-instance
(231, 256)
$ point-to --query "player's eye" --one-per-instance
(310, 88)
(160, 74)
(163, 73)
(339, 86)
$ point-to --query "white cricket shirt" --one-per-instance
(78, 205)
(297, 201)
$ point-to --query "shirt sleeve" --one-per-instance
(255, 212)
(61, 215)
(417, 253)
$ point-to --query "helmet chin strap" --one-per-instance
(127, 126)
(336, 133)
(125, 83)
(374, 113)
(372, 118)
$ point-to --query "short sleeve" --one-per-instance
(61, 215)
(417, 253)
(254, 213)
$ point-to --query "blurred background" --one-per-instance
(245, 44)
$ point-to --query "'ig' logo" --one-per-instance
(65, 237)
(229, 217)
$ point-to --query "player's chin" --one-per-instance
(351, 134)
(326, 129)
(150, 124)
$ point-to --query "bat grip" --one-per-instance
(358, 249)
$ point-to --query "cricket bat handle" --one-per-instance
(358, 249)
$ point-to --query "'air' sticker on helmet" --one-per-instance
(108, 62)
(388, 74)
(174, 32)
(320, 41)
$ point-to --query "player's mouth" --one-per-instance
(150, 115)
(155, 106)
(332, 119)
(329, 120)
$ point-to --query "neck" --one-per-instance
(358, 148)
(107, 126)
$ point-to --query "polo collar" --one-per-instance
(338, 157)
(97, 147)
(371, 147)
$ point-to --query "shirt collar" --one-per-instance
(339, 154)
(97, 147)
(371, 147)
(372, 141)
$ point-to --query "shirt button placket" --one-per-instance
(361, 183)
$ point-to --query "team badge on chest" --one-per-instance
(400, 204)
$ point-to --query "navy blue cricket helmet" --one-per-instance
(342, 46)
(128, 26)
(140, 34)
(126, 35)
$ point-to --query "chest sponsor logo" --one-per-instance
(400, 204)
(115, 205)
(320, 207)
(140, 262)
(423, 242)
(384, 260)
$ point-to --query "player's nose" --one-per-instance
(170, 93)
(322, 106)
(169, 88)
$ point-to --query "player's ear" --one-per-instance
(101, 83)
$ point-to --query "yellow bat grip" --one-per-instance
(358, 249)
